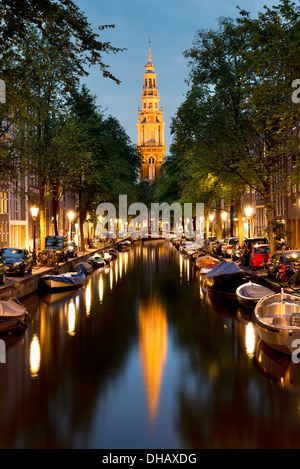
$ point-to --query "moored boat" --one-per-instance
(248, 294)
(96, 261)
(67, 281)
(277, 318)
(12, 315)
(113, 253)
(107, 257)
(124, 245)
(205, 260)
(84, 267)
(226, 278)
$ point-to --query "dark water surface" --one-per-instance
(143, 358)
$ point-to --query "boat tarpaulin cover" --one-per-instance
(11, 308)
(225, 268)
(84, 267)
(74, 279)
(254, 291)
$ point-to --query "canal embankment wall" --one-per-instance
(21, 287)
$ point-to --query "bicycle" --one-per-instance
(294, 281)
(52, 258)
(47, 258)
(41, 259)
(283, 277)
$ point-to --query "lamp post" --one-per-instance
(211, 217)
(224, 218)
(117, 227)
(34, 213)
(71, 218)
(248, 212)
(201, 219)
(100, 222)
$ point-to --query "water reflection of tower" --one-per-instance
(153, 350)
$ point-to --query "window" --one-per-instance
(151, 173)
(3, 202)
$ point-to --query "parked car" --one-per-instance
(208, 242)
(280, 260)
(217, 247)
(2, 271)
(17, 261)
(227, 246)
(259, 256)
(248, 245)
(60, 245)
(73, 249)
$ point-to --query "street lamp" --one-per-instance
(211, 217)
(248, 212)
(224, 218)
(117, 227)
(100, 218)
(34, 213)
(71, 215)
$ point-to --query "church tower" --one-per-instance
(151, 144)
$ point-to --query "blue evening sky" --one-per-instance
(172, 26)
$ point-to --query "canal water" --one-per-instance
(142, 357)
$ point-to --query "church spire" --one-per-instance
(150, 125)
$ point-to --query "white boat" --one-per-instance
(278, 319)
(67, 281)
(124, 245)
(248, 294)
(12, 315)
(96, 261)
(107, 257)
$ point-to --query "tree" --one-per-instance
(237, 120)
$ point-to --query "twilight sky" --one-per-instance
(172, 26)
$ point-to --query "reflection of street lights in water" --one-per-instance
(248, 212)
(34, 213)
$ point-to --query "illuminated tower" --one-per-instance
(151, 143)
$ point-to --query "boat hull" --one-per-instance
(12, 325)
(278, 322)
(224, 284)
(12, 315)
(64, 281)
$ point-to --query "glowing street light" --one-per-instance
(34, 213)
(248, 212)
(224, 218)
(71, 215)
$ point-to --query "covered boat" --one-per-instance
(12, 315)
(248, 294)
(84, 267)
(67, 281)
(226, 278)
(204, 261)
(278, 320)
(124, 245)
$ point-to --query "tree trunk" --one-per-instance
(270, 221)
(81, 223)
